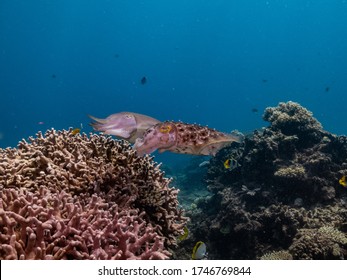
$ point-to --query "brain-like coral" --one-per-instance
(73, 196)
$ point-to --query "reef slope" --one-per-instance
(284, 199)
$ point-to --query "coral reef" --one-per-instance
(284, 188)
(279, 255)
(325, 243)
(66, 196)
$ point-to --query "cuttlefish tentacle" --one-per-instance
(125, 125)
(179, 137)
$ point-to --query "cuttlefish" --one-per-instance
(125, 125)
(179, 137)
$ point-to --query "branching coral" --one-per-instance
(56, 226)
(114, 203)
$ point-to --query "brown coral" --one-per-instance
(286, 181)
(277, 255)
(95, 179)
(325, 243)
(292, 119)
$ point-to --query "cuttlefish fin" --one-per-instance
(120, 132)
(236, 136)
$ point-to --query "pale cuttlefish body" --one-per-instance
(125, 125)
(179, 137)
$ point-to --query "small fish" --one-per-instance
(184, 235)
(199, 251)
(41, 123)
(143, 80)
(53, 76)
(75, 131)
(327, 89)
(342, 181)
(231, 163)
(254, 110)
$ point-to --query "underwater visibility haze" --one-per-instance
(246, 98)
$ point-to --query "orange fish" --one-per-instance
(75, 131)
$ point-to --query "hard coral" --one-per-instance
(293, 172)
(74, 196)
(277, 255)
(48, 225)
(325, 243)
(305, 164)
(286, 180)
(291, 118)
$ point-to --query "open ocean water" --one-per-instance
(217, 63)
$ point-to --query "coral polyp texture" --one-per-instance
(284, 194)
(66, 196)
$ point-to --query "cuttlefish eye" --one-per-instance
(165, 128)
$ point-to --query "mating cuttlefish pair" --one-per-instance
(148, 134)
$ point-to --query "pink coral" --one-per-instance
(67, 196)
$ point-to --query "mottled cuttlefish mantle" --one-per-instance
(184, 138)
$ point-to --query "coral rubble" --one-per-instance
(66, 196)
(283, 196)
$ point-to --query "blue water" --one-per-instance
(209, 62)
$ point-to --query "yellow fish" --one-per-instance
(75, 131)
(199, 251)
(342, 181)
(230, 163)
(184, 235)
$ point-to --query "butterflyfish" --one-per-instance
(342, 181)
(231, 163)
(199, 251)
(75, 131)
(184, 235)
